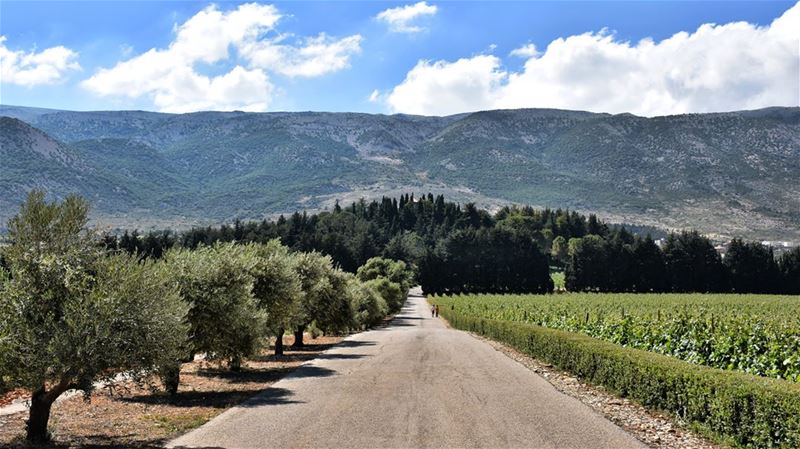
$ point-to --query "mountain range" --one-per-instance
(725, 174)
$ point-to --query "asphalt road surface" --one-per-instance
(413, 383)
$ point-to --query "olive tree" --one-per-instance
(325, 297)
(4, 276)
(71, 316)
(312, 269)
(393, 296)
(225, 320)
(369, 307)
(276, 286)
(336, 306)
(397, 280)
(4, 339)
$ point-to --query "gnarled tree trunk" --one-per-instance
(41, 403)
(171, 377)
(236, 363)
(298, 337)
(279, 342)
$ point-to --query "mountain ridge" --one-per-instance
(730, 173)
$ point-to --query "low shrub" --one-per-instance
(751, 411)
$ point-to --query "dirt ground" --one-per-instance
(139, 417)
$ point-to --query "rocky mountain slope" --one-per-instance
(729, 173)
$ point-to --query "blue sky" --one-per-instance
(429, 58)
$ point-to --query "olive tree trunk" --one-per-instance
(171, 377)
(41, 403)
(236, 363)
(279, 342)
(298, 337)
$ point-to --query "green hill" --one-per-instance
(733, 174)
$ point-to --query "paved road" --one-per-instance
(414, 383)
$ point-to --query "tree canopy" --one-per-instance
(419, 231)
(71, 316)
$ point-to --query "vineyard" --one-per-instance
(755, 334)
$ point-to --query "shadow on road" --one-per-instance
(395, 324)
(400, 321)
(312, 371)
(271, 396)
(197, 447)
(341, 356)
(355, 343)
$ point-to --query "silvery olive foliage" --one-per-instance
(277, 288)
(225, 320)
(72, 315)
(369, 307)
(325, 298)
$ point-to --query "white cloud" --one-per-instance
(240, 89)
(526, 51)
(33, 68)
(400, 19)
(318, 56)
(170, 76)
(375, 96)
(441, 88)
(715, 68)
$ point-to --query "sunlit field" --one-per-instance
(757, 334)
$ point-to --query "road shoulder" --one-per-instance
(654, 429)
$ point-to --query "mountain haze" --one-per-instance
(732, 174)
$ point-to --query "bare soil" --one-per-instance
(9, 397)
(140, 417)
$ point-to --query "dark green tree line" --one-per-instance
(453, 247)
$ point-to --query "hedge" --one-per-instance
(750, 411)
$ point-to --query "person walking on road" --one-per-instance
(433, 311)
(436, 310)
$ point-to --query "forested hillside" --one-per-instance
(732, 174)
(466, 249)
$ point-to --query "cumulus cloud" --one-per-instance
(400, 19)
(714, 68)
(526, 51)
(317, 56)
(170, 76)
(33, 68)
(441, 88)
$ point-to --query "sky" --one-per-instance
(648, 58)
